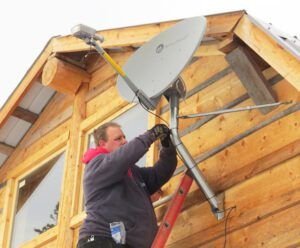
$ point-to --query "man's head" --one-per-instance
(110, 136)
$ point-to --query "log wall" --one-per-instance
(252, 158)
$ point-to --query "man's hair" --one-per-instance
(100, 132)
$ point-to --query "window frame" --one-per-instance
(52, 232)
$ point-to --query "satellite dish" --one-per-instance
(156, 65)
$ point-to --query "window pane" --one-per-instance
(133, 122)
(38, 201)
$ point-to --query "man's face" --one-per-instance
(115, 139)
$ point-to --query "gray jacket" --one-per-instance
(111, 195)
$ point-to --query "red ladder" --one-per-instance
(172, 212)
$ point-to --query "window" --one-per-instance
(133, 122)
(38, 201)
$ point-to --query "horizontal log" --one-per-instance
(200, 74)
(201, 70)
(222, 128)
(44, 152)
(209, 48)
(106, 71)
(58, 105)
(278, 230)
(51, 125)
(263, 196)
(100, 88)
(105, 103)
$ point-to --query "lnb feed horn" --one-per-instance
(86, 33)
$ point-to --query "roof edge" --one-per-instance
(26, 82)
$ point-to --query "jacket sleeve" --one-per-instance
(161, 172)
(107, 169)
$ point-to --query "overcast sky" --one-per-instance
(26, 26)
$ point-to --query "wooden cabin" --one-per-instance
(252, 157)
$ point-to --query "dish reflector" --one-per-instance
(156, 65)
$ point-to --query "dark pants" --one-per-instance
(98, 242)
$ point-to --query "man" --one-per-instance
(117, 192)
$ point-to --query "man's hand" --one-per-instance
(160, 131)
(166, 141)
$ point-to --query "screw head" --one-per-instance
(159, 48)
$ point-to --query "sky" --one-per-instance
(27, 26)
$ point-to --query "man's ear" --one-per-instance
(102, 143)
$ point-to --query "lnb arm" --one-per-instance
(90, 37)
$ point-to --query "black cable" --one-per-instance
(162, 120)
(226, 220)
(153, 113)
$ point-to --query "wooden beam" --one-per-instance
(63, 76)
(6, 149)
(266, 47)
(208, 49)
(51, 125)
(25, 115)
(33, 159)
(7, 213)
(71, 60)
(46, 239)
(106, 71)
(227, 45)
(65, 238)
(106, 103)
(77, 220)
(25, 84)
(201, 70)
(100, 88)
(217, 26)
(251, 77)
(97, 119)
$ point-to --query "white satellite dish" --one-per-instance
(156, 65)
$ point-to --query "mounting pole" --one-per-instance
(215, 202)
